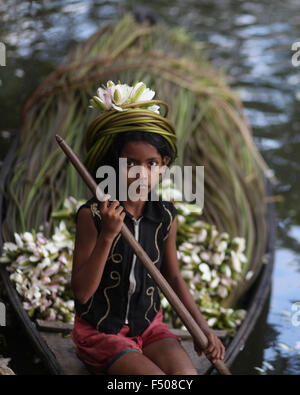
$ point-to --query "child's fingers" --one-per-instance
(212, 354)
(114, 205)
(105, 200)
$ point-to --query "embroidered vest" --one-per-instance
(127, 294)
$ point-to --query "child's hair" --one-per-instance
(115, 150)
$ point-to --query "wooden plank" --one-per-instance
(65, 352)
(53, 326)
(184, 334)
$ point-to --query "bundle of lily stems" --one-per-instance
(212, 131)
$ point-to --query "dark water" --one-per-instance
(252, 41)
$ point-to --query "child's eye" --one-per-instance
(129, 162)
(153, 163)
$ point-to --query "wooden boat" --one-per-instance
(210, 127)
(53, 343)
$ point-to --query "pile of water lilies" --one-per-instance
(211, 263)
(40, 268)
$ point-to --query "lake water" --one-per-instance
(253, 41)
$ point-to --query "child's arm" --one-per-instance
(90, 251)
(170, 270)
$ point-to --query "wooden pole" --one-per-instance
(162, 283)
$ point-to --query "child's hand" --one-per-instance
(112, 218)
(215, 349)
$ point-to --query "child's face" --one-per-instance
(150, 162)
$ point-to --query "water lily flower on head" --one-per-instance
(121, 95)
(115, 96)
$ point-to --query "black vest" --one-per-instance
(126, 293)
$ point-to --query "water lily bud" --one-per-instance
(249, 275)
(18, 240)
(215, 283)
(187, 245)
(222, 291)
(195, 258)
(202, 235)
(214, 234)
(187, 259)
(117, 96)
(137, 92)
(243, 258)
(110, 83)
(217, 259)
(211, 321)
(180, 219)
(204, 268)
(222, 246)
(236, 264)
(205, 256)
(238, 244)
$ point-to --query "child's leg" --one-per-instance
(170, 356)
(162, 347)
(134, 363)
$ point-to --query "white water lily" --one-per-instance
(114, 96)
(205, 256)
(217, 259)
(187, 245)
(187, 274)
(187, 258)
(28, 237)
(8, 246)
(236, 263)
(141, 93)
(41, 278)
(202, 235)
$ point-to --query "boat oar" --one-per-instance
(162, 283)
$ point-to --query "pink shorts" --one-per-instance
(100, 350)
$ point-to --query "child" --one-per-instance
(118, 325)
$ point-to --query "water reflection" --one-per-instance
(252, 41)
